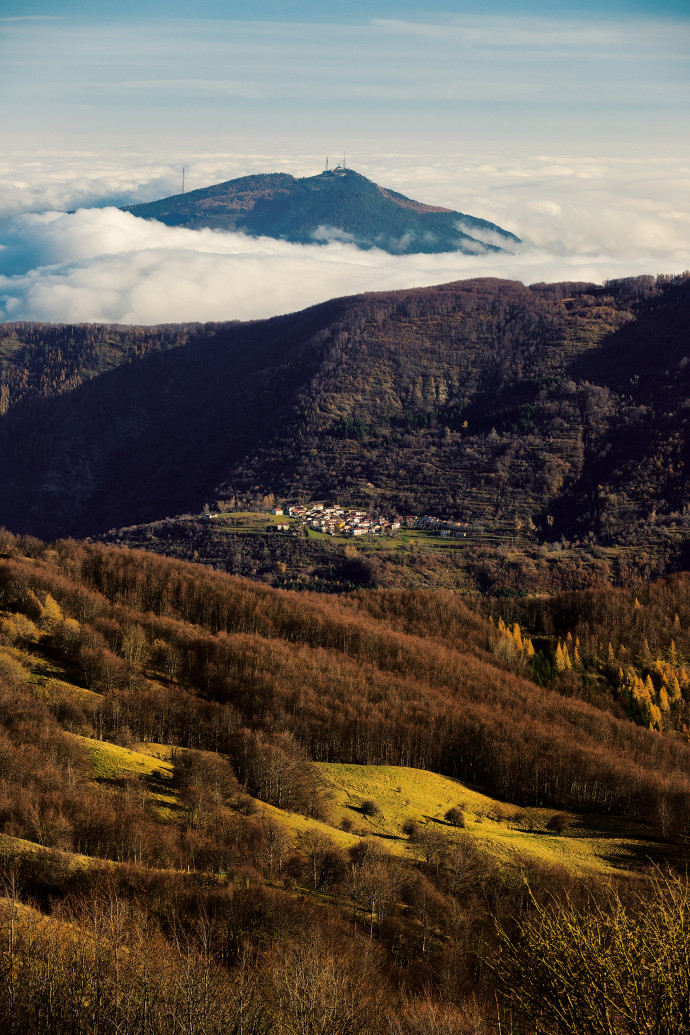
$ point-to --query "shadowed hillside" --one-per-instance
(544, 413)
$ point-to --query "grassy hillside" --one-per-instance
(507, 834)
(185, 656)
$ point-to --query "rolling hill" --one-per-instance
(339, 205)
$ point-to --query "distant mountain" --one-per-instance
(336, 205)
(551, 410)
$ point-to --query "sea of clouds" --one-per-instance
(67, 254)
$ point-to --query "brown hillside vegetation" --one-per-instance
(379, 678)
(551, 414)
(627, 649)
(168, 859)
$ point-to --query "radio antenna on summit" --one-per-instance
(326, 169)
(183, 179)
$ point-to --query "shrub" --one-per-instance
(609, 966)
(244, 804)
(455, 816)
(558, 823)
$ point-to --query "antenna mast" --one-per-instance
(183, 179)
(326, 165)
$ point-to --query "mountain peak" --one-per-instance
(335, 204)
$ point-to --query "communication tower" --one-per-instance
(183, 179)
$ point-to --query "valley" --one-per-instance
(546, 416)
(344, 518)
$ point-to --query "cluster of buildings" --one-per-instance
(340, 521)
(442, 526)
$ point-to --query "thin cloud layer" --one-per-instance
(96, 76)
(579, 220)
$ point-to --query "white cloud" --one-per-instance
(44, 180)
(521, 31)
(106, 265)
(582, 219)
(329, 234)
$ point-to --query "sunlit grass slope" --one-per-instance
(508, 834)
(16, 847)
(151, 763)
(505, 832)
(112, 762)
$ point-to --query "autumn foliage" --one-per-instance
(209, 917)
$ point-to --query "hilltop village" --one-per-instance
(334, 520)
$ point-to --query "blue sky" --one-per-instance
(344, 73)
(337, 11)
(565, 123)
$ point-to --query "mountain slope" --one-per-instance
(336, 205)
(174, 859)
(556, 410)
(207, 661)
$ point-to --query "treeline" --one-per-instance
(379, 677)
(625, 650)
(39, 360)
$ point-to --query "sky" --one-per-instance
(566, 124)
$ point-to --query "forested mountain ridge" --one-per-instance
(334, 205)
(552, 411)
(39, 360)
